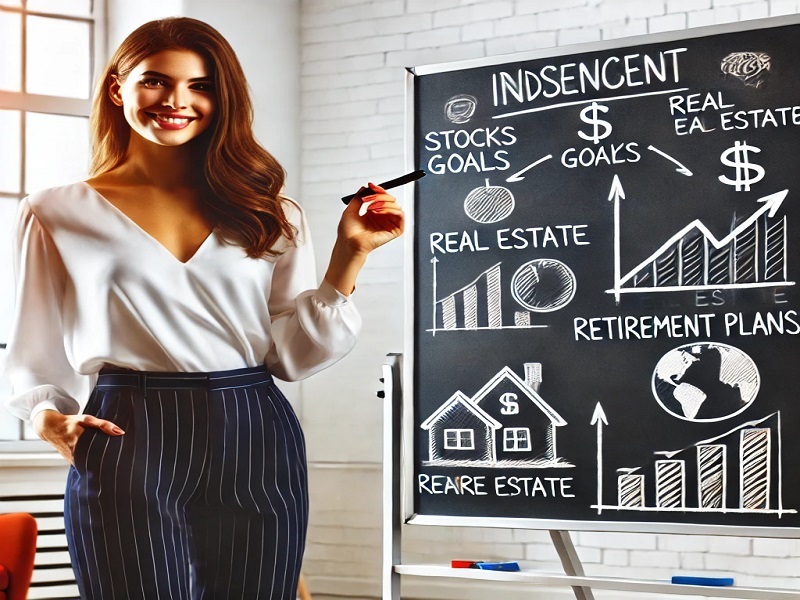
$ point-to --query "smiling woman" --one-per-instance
(175, 284)
(167, 100)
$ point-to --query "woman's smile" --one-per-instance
(169, 120)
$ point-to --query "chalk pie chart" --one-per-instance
(543, 285)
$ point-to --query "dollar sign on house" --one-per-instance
(742, 165)
(589, 115)
(509, 402)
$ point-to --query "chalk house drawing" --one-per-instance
(505, 424)
(543, 285)
(489, 203)
(739, 471)
(705, 382)
(460, 108)
(754, 254)
(751, 68)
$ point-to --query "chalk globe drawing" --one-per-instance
(489, 203)
(460, 108)
(543, 285)
(706, 381)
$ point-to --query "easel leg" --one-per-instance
(392, 519)
(570, 561)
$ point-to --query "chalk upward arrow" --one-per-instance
(615, 195)
(599, 419)
(771, 204)
(434, 260)
(518, 175)
(681, 169)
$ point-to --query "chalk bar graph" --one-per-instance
(753, 254)
(696, 479)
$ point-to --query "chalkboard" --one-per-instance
(606, 324)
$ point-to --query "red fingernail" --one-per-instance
(117, 430)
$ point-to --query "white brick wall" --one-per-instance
(352, 73)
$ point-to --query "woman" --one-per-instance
(177, 281)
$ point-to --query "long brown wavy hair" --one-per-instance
(243, 181)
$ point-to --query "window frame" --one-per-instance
(510, 435)
(459, 440)
(25, 102)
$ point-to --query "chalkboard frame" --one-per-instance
(407, 417)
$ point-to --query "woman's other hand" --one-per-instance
(63, 431)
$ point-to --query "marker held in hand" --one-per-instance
(392, 183)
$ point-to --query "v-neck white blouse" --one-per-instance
(93, 288)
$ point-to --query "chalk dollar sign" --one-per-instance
(589, 115)
(743, 166)
(509, 402)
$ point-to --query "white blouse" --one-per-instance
(93, 288)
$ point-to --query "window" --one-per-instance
(516, 439)
(49, 51)
(459, 439)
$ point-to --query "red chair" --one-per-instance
(17, 548)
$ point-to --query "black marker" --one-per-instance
(407, 178)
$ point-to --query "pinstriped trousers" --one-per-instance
(205, 496)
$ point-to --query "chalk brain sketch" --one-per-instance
(543, 285)
(489, 203)
(751, 68)
(460, 108)
(706, 381)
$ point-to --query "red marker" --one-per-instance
(463, 564)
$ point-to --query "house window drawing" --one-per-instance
(509, 423)
(459, 439)
(517, 439)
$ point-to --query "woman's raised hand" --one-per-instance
(371, 219)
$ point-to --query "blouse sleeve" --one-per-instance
(37, 367)
(312, 327)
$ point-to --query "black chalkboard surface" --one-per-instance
(606, 317)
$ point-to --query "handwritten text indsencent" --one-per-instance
(574, 78)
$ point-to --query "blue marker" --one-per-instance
(498, 566)
(708, 581)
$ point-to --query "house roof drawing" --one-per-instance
(460, 397)
(473, 404)
(507, 373)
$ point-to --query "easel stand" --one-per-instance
(394, 464)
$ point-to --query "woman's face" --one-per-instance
(168, 98)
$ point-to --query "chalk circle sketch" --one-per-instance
(751, 68)
(543, 285)
(489, 203)
(460, 108)
(705, 381)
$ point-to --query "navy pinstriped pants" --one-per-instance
(203, 497)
